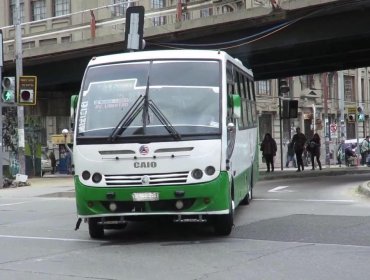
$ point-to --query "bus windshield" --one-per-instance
(185, 92)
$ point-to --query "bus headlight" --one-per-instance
(86, 175)
(96, 178)
(210, 170)
(197, 174)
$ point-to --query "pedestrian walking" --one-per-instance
(299, 140)
(290, 156)
(314, 148)
(364, 150)
(269, 148)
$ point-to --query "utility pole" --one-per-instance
(283, 88)
(19, 73)
(326, 118)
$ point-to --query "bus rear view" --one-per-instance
(151, 141)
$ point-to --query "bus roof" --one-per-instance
(165, 54)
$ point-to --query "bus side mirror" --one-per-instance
(74, 102)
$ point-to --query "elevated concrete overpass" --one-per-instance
(301, 37)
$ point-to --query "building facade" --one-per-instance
(66, 26)
(57, 26)
(326, 102)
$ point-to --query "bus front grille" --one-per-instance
(146, 179)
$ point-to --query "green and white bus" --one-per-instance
(164, 134)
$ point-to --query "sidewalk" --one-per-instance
(327, 170)
(332, 170)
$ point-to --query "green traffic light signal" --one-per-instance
(8, 96)
(361, 117)
(8, 90)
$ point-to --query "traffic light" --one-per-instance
(290, 109)
(351, 118)
(8, 91)
(26, 96)
(283, 87)
(27, 90)
(361, 114)
(361, 117)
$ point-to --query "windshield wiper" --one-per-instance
(162, 118)
(127, 119)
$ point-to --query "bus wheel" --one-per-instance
(96, 231)
(223, 224)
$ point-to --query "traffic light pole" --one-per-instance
(19, 73)
(281, 125)
(1, 127)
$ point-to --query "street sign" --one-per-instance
(134, 28)
(27, 90)
(333, 127)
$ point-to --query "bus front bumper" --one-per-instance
(209, 198)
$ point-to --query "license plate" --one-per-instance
(145, 196)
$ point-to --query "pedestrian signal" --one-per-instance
(8, 90)
(351, 118)
(361, 117)
(27, 90)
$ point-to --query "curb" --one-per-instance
(310, 173)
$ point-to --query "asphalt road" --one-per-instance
(299, 228)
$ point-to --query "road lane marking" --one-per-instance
(308, 200)
(50, 238)
(280, 189)
(10, 204)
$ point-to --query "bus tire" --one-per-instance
(96, 231)
(223, 224)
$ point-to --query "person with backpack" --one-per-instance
(314, 148)
(364, 150)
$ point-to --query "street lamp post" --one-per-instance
(65, 133)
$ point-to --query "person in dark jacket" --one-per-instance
(269, 148)
(53, 162)
(314, 148)
(299, 141)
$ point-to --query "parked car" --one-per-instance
(45, 164)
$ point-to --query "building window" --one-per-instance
(158, 4)
(119, 10)
(307, 81)
(332, 84)
(206, 12)
(61, 7)
(349, 82)
(226, 9)
(265, 125)
(263, 88)
(13, 15)
(38, 10)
